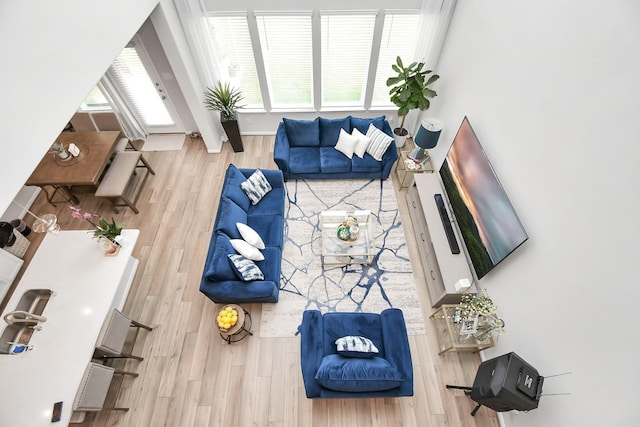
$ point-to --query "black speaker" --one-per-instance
(506, 383)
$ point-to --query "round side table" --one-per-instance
(241, 329)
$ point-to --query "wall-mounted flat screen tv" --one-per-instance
(487, 221)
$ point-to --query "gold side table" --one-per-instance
(448, 332)
(405, 172)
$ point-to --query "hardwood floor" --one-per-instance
(190, 377)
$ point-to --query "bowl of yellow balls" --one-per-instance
(227, 318)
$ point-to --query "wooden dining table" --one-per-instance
(84, 170)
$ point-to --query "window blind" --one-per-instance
(346, 53)
(287, 52)
(399, 38)
(232, 43)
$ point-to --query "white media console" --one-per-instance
(441, 267)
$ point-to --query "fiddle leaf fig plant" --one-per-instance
(410, 89)
(225, 99)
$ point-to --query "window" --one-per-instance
(95, 101)
(399, 38)
(232, 43)
(297, 60)
(346, 52)
(285, 43)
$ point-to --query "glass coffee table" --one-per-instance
(356, 246)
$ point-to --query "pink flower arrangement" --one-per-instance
(109, 230)
(78, 214)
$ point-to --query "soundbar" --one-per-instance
(448, 228)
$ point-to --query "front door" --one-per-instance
(143, 90)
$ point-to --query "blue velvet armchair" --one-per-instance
(328, 374)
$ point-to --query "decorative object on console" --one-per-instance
(426, 138)
(462, 285)
(482, 307)
(410, 91)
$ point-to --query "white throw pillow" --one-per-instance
(380, 141)
(363, 143)
(250, 235)
(246, 250)
(346, 143)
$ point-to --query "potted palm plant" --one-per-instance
(225, 99)
(410, 90)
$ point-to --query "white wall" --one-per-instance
(552, 91)
(52, 55)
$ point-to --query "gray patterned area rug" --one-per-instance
(307, 285)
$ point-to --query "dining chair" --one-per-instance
(82, 122)
(113, 336)
(106, 121)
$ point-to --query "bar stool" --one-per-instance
(92, 392)
(112, 338)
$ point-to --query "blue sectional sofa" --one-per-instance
(305, 149)
(220, 282)
(327, 373)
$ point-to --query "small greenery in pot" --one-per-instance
(103, 228)
(59, 149)
(225, 99)
(410, 90)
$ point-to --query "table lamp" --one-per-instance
(426, 137)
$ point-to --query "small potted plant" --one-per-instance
(410, 91)
(226, 100)
(59, 149)
(106, 232)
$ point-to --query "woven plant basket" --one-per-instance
(20, 246)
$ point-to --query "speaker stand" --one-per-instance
(467, 391)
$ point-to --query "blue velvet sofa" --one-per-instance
(328, 374)
(304, 149)
(220, 282)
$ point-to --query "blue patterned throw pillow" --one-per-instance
(246, 269)
(256, 186)
(354, 346)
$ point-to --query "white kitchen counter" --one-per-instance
(86, 285)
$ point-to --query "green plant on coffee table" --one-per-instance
(56, 148)
(482, 306)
